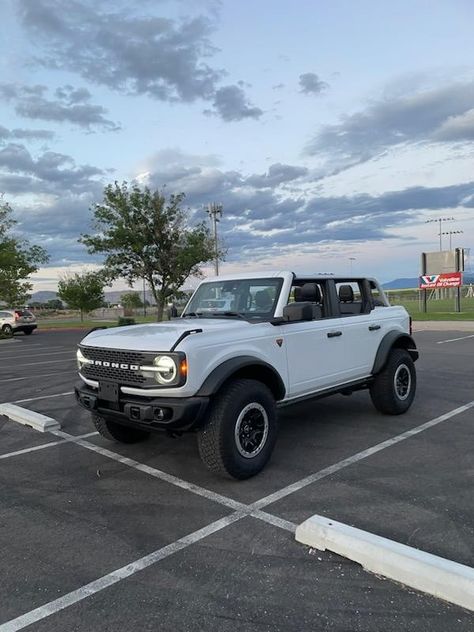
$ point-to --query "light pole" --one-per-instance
(451, 233)
(440, 220)
(351, 259)
(214, 211)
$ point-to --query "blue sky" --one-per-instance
(328, 130)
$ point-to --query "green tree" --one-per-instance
(131, 300)
(54, 303)
(84, 292)
(145, 235)
(18, 260)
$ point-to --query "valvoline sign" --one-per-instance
(447, 279)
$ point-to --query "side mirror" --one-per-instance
(295, 312)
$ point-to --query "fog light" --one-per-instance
(158, 413)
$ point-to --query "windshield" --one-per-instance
(253, 299)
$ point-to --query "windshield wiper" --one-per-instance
(193, 314)
(232, 314)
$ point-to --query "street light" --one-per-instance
(450, 233)
(440, 220)
(351, 259)
(214, 211)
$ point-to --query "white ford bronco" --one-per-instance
(243, 346)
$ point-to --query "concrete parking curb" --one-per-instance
(428, 573)
(29, 418)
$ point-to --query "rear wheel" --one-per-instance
(7, 330)
(28, 332)
(393, 389)
(117, 432)
(241, 430)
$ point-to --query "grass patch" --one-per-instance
(55, 323)
(438, 309)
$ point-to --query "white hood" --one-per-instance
(157, 336)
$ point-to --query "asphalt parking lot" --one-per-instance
(101, 536)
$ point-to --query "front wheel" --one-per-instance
(241, 430)
(393, 389)
(113, 431)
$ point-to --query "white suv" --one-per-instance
(15, 320)
(243, 346)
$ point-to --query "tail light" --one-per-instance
(17, 315)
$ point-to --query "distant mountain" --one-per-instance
(410, 283)
(43, 296)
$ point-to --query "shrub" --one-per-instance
(122, 321)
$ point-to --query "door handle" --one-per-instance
(334, 334)
(374, 327)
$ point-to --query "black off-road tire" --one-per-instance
(393, 389)
(241, 430)
(7, 330)
(117, 432)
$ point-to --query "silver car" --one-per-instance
(15, 320)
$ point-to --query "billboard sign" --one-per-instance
(443, 261)
(434, 281)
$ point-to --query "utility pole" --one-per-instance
(440, 220)
(351, 259)
(144, 297)
(214, 211)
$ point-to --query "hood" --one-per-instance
(157, 336)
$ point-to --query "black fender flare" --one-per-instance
(224, 371)
(393, 339)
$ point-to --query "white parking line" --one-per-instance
(443, 342)
(254, 510)
(34, 399)
(72, 359)
(17, 379)
(116, 576)
(177, 482)
(332, 469)
(37, 355)
(45, 445)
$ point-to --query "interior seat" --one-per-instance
(310, 293)
(347, 305)
(263, 301)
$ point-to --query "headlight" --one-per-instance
(81, 359)
(166, 369)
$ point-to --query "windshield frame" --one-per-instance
(249, 316)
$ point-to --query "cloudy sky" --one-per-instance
(328, 130)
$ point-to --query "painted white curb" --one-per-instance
(29, 418)
(428, 573)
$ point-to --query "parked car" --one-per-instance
(15, 320)
(224, 372)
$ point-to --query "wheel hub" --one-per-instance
(402, 381)
(251, 430)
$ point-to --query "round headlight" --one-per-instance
(81, 359)
(166, 369)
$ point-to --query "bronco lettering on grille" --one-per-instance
(115, 365)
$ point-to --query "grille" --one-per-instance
(121, 376)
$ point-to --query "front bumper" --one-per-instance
(150, 413)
